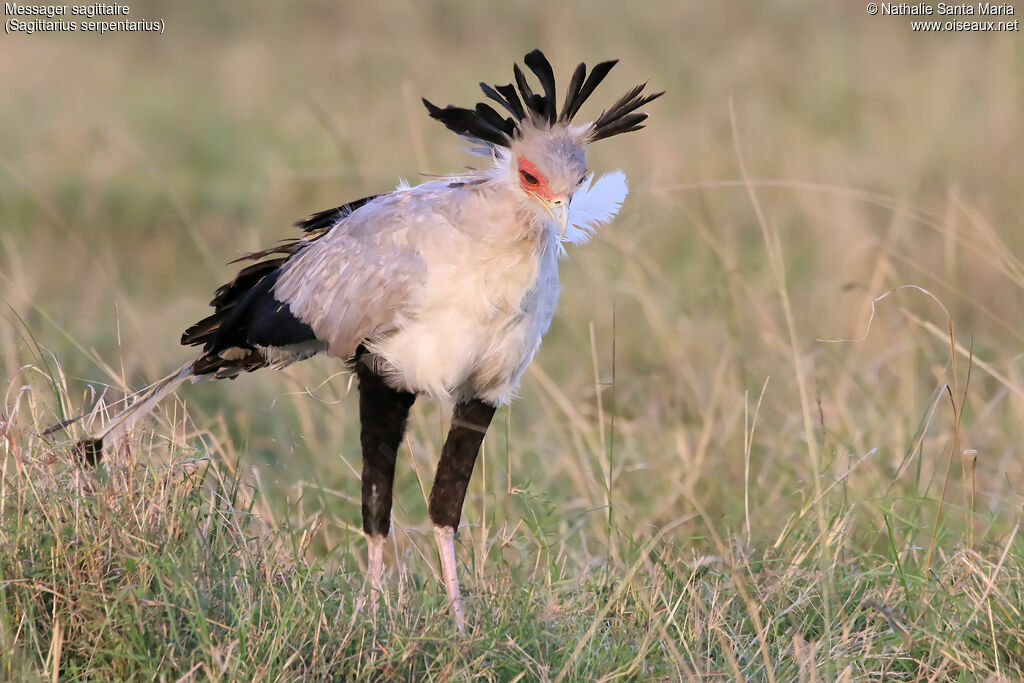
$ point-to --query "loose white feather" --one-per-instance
(593, 204)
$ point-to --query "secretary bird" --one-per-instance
(443, 289)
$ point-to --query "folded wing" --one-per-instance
(326, 291)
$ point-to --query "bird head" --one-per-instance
(544, 150)
(547, 169)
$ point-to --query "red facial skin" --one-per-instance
(540, 188)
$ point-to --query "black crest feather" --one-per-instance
(484, 123)
(587, 89)
(470, 123)
(541, 68)
(620, 118)
(506, 96)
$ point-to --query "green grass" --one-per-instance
(692, 485)
(166, 570)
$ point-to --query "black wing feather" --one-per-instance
(327, 218)
(246, 314)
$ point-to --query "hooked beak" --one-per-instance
(559, 210)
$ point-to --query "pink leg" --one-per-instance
(445, 537)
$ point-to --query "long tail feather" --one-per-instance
(90, 449)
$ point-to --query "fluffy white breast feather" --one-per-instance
(594, 203)
(451, 289)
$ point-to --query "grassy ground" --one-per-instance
(693, 485)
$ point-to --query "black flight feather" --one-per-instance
(246, 313)
(327, 218)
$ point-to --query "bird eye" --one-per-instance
(529, 178)
(582, 178)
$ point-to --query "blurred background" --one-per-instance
(133, 167)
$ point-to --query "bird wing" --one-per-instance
(357, 281)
